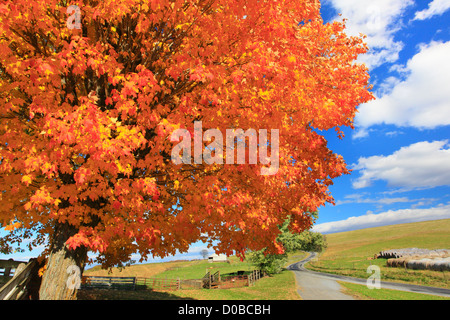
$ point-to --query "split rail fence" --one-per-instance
(15, 277)
(209, 281)
(97, 282)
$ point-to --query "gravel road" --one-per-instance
(322, 286)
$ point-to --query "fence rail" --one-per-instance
(159, 283)
(16, 287)
(254, 276)
(209, 281)
(97, 282)
(7, 270)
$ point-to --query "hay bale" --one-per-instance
(436, 264)
(412, 252)
(417, 258)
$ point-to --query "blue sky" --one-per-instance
(400, 148)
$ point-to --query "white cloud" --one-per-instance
(390, 217)
(420, 165)
(379, 21)
(435, 8)
(359, 198)
(393, 133)
(422, 100)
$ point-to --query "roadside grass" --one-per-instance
(281, 286)
(351, 253)
(361, 292)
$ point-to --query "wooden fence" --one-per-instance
(254, 276)
(191, 284)
(97, 282)
(16, 287)
(241, 280)
(210, 280)
(159, 283)
(16, 276)
(233, 281)
(7, 269)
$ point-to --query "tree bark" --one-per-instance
(64, 267)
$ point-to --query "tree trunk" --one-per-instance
(64, 267)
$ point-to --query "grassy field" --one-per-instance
(279, 287)
(350, 253)
(361, 292)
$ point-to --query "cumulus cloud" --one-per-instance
(379, 21)
(390, 217)
(435, 8)
(420, 165)
(422, 100)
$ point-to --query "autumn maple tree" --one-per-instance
(86, 117)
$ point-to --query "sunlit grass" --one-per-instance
(351, 253)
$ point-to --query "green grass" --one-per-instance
(350, 253)
(281, 286)
(361, 292)
(278, 287)
(197, 269)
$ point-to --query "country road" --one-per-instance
(323, 286)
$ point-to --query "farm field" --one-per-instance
(350, 253)
(278, 287)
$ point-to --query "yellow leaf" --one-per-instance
(27, 180)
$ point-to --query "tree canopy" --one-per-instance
(86, 117)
